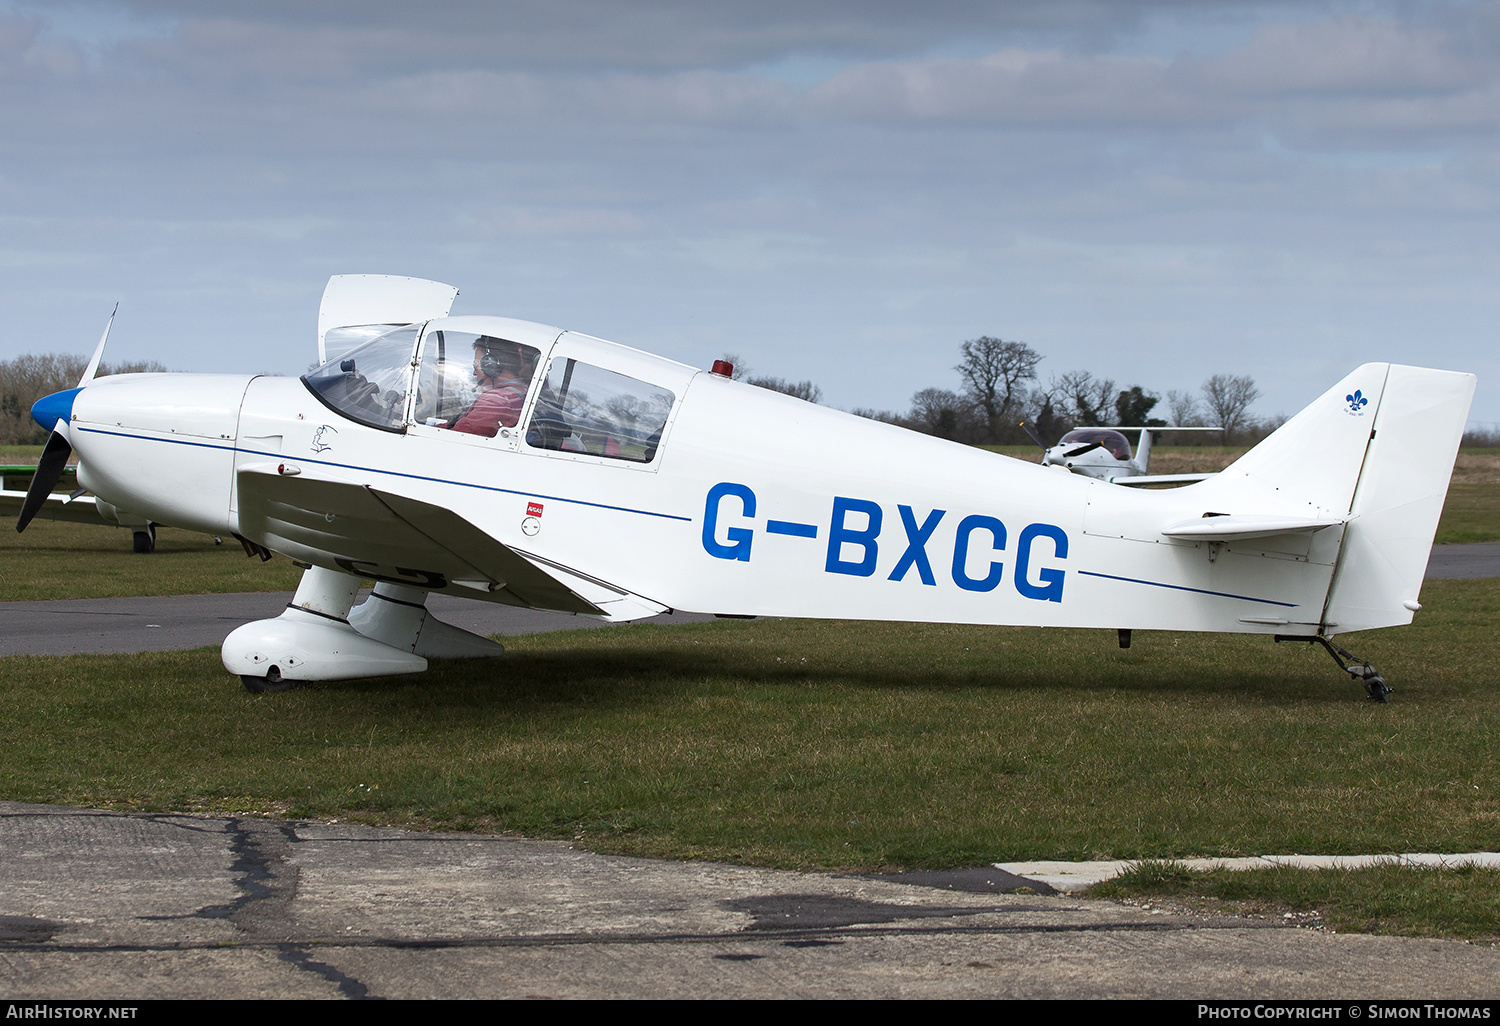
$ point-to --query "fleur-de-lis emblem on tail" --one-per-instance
(1357, 402)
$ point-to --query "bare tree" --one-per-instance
(1083, 398)
(937, 411)
(27, 378)
(799, 389)
(992, 371)
(1182, 407)
(884, 416)
(1228, 398)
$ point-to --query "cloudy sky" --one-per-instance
(1154, 190)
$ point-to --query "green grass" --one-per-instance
(818, 744)
(1471, 514)
(55, 559)
(20, 453)
(1458, 902)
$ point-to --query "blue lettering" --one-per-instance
(966, 527)
(840, 534)
(916, 545)
(739, 538)
(1051, 588)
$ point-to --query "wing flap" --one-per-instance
(618, 604)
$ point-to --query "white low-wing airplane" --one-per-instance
(1104, 453)
(589, 477)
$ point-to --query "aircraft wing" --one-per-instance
(1142, 480)
(376, 534)
(59, 506)
(14, 481)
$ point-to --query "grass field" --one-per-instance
(1458, 902)
(818, 744)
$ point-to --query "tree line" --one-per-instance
(1000, 388)
(27, 378)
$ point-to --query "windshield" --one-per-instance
(1112, 441)
(368, 383)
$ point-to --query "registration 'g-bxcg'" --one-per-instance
(512, 462)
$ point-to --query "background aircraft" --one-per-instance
(72, 504)
(608, 482)
(1104, 453)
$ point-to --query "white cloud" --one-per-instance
(1325, 176)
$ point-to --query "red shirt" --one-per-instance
(497, 408)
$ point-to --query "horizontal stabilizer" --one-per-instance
(1244, 526)
(1143, 480)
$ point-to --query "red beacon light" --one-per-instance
(723, 368)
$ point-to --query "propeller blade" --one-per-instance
(1080, 451)
(49, 470)
(93, 367)
(1031, 433)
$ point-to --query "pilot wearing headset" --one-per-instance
(503, 370)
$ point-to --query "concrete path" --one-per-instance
(112, 906)
(158, 624)
(1080, 876)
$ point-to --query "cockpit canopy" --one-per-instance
(474, 376)
(1112, 441)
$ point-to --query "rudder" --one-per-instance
(1398, 498)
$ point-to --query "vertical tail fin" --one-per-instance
(1398, 498)
(1378, 449)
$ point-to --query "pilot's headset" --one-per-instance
(490, 365)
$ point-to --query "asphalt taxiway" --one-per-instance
(107, 905)
(166, 623)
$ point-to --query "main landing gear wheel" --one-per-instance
(145, 541)
(271, 682)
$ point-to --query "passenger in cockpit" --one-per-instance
(503, 370)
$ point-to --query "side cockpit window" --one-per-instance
(474, 384)
(589, 410)
(368, 383)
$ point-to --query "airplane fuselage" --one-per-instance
(751, 503)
